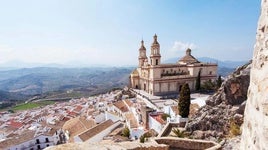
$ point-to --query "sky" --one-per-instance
(108, 32)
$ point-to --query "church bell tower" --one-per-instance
(155, 52)
(142, 54)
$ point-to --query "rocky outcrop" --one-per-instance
(255, 127)
(213, 120)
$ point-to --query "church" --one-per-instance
(160, 79)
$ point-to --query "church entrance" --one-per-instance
(137, 87)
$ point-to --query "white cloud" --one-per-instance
(178, 46)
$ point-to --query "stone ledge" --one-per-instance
(190, 144)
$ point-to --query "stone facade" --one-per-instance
(255, 127)
(166, 79)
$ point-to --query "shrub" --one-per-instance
(208, 85)
(142, 139)
(178, 133)
(126, 132)
(147, 134)
(234, 128)
(165, 116)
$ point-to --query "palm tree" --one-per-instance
(178, 133)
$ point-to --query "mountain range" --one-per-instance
(46, 81)
(55, 79)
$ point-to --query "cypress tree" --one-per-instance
(184, 101)
(198, 80)
(219, 81)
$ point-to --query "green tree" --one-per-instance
(142, 139)
(208, 85)
(165, 116)
(126, 132)
(198, 80)
(219, 81)
(184, 101)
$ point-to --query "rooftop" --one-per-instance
(188, 58)
(132, 120)
(121, 105)
(77, 125)
(15, 124)
(17, 139)
(158, 117)
(95, 130)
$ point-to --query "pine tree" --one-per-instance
(219, 81)
(184, 101)
(198, 80)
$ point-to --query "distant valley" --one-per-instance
(45, 82)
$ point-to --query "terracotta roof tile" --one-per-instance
(17, 139)
(77, 125)
(15, 124)
(158, 118)
(121, 105)
(132, 120)
(78, 108)
(129, 103)
(95, 130)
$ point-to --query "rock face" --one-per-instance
(255, 127)
(213, 120)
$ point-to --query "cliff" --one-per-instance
(226, 106)
(255, 127)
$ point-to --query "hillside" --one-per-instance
(11, 96)
(49, 81)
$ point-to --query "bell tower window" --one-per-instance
(156, 62)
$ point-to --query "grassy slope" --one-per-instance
(31, 105)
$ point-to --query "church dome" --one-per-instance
(188, 58)
(135, 72)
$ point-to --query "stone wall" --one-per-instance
(255, 127)
(189, 144)
(110, 146)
